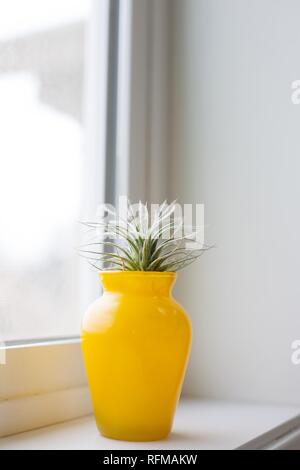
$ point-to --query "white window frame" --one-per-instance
(41, 384)
(44, 383)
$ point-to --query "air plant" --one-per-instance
(137, 243)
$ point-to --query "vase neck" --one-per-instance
(138, 282)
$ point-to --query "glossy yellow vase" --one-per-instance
(136, 342)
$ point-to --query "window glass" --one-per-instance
(42, 56)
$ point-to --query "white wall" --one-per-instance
(236, 147)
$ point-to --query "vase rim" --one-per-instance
(171, 274)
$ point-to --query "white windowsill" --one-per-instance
(199, 424)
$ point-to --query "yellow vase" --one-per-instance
(135, 341)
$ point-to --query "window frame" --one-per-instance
(44, 382)
(41, 384)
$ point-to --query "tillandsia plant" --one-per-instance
(138, 242)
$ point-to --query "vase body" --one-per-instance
(136, 342)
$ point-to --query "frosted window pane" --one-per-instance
(41, 166)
